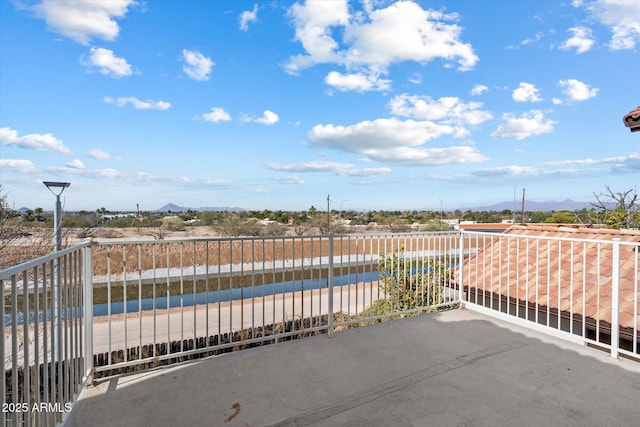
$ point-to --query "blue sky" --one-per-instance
(274, 105)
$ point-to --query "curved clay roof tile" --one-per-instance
(632, 120)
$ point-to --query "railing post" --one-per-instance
(615, 299)
(461, 268)
(87, 259)
(330, 330)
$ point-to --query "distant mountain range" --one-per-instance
(565, 205)
(529, 205)
(171, 207)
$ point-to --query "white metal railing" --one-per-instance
(584, 290)
(160, 299)
(113, 305)
(43, 347)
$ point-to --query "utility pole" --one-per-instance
(513, 221)
(522, 216)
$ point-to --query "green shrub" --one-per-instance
(410, 283)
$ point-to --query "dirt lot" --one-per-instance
(157, 254)
(204, 247)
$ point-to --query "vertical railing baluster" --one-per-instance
(124, 291)
(154, 295)
(615, 298)
(598, 287)
(181, 297)
(461, 298)
(194, 302)
(636, 300)
(36, 344)
(206, 292)
(584, 290)
(219, 282)
(559, 307)
(526, 298)
(14, 345)
(26, 389)
(571, 286)
(253, 288)
(168, 292)
(139, 301)
(3, 356)
(330, 331)
(109, 359)
(88, 314)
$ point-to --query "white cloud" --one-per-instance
(289, 179)
(197, 66)
(528, 124)
(73, 169)
(313, 22)
(306, 167)
(248, 16)
(138, 104)
(449, 110)
(377, 134)
(526, 92)
(577, 90)
(75, 164)
(18, 165)
(83, 20)
(411, 156)
(366, 172)
(338, 168)
(629, 164)
(623, 19)
(375, 38)
(533, 39)
(358, 82)
(582, 40)
(108, 64)
(268, 118)
(97, 154)
(514, 170)
(619, 163)
(394, 141)
(406, 32)
(478, 89)
(416, 78)
(32, 141)
(216, 115)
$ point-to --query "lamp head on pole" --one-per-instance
(53, 184)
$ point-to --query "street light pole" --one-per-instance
(56, 188)
(328, 213)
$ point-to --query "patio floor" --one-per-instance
(453, 368)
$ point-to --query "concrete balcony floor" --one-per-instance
(453, 368)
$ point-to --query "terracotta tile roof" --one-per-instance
(511, 268)
(632, 120)
(485, 226)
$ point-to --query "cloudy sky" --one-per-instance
(381, 104)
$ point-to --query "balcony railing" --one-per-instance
(121, 305)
